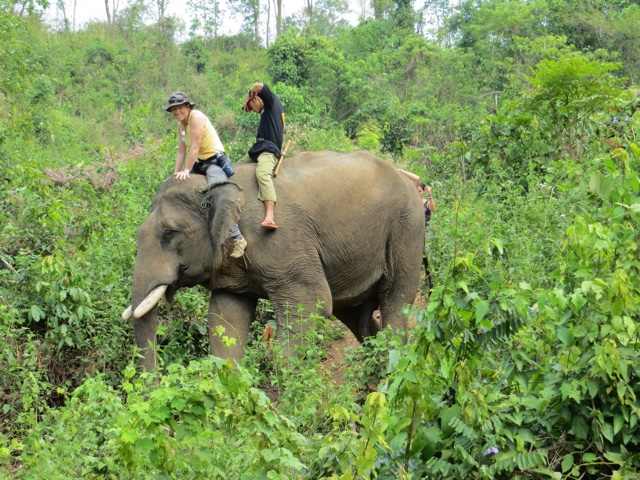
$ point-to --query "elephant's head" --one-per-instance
(180, 244)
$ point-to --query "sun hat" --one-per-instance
(178, 98)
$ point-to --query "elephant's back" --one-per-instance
(348, 217)
(343, 187)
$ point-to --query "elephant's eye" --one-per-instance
(168, 234)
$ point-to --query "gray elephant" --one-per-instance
(351, 238)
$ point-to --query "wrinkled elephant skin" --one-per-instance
(351, 238)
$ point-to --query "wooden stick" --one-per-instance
(279, 164)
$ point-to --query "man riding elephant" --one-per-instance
(268, 145)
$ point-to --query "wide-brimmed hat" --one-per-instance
(178, 98)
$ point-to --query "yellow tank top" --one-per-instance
(210, 143)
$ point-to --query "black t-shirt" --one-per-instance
(271, 127)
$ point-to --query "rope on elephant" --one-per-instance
(206, 204)
(208, 188)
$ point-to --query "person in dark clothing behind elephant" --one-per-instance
(429, 206)
(206, 153)
(266, 149)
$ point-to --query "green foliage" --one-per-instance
(524, 362)
(288, 58)
(15, 53)
(518, 379)
(567, 92)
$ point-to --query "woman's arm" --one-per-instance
(196, 127)
(182, 153)
(412, 176)
(431, 204)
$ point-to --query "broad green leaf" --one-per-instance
(426, 441)
(618, 423)
(36, 313)
(567, 463)
(178, 403)
(482, 308)
(580, 427)
(607, 431)
(446, 415)
(565, 336)
(144, 445)
(600, 185)
(499, 244)
(398, 441)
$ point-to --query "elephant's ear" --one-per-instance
(227, 201)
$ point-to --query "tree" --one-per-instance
(249, 12)
(322, 17)
(23, 7)
(279, 18)
(381, 8)
(162, 8)
(404, 15)
(565, 93)
(111, 13)
(207, 15)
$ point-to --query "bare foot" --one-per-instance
(269, 225)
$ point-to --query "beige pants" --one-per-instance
(266, 163)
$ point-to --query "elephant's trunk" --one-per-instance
(144, 329)
(144, 312)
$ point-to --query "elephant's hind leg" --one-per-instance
(359, 320)
(235, 313)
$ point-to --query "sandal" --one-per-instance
(268, 225)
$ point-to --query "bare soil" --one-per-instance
(339, 349)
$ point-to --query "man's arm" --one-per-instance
(256, 89)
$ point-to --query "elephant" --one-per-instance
(350, 241)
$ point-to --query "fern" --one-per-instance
(463, 429)
(439, 468)
(503, 328)
(512, 462)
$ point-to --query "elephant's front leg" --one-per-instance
(294, 304)
(235, 313)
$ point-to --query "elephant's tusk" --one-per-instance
(150, 302)
(126, 315)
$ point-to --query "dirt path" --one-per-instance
(336, 354)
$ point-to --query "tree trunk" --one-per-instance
(378, 10)
(106, 6)
(310, 13)
(162, 8)
(279, 19)
(268, 21)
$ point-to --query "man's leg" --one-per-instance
(215, 175)
(266, 190)
(245, 159)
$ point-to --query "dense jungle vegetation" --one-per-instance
(524, 117)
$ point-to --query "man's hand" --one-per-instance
(182, 175)
(255, 90)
